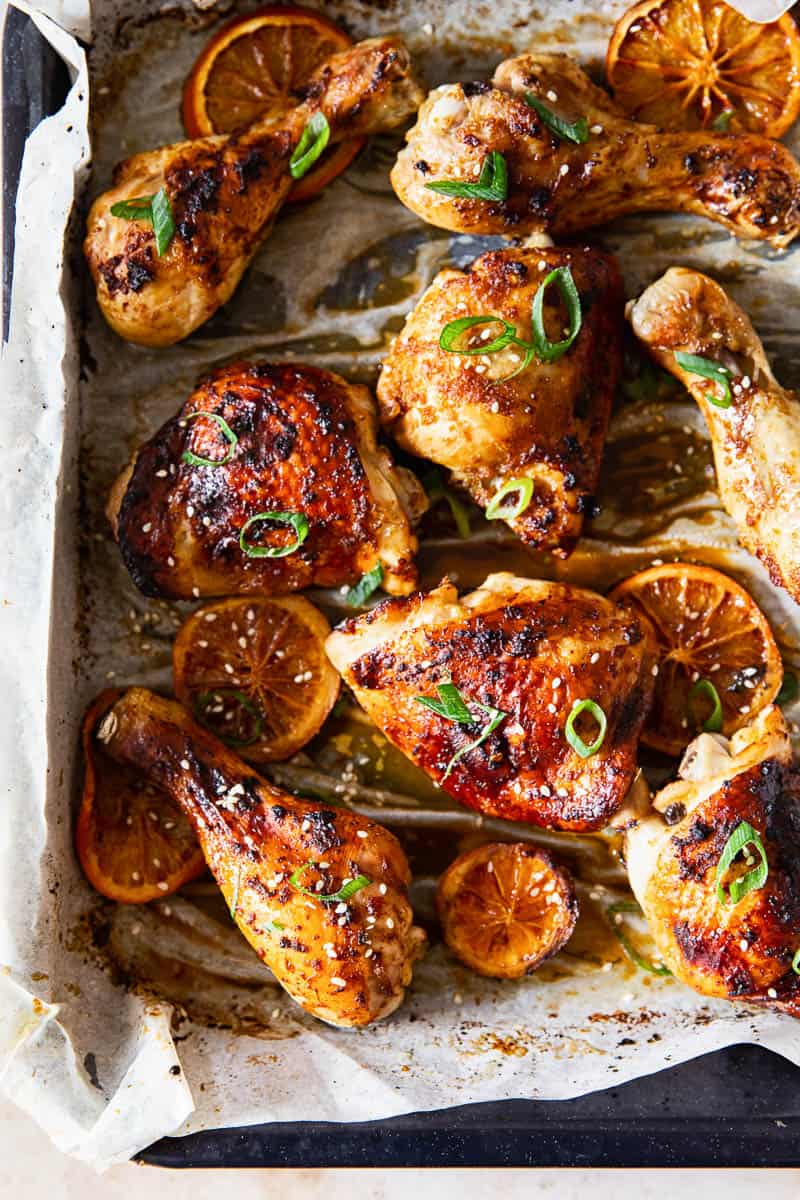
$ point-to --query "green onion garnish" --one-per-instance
(492, 182)
(695, 365)
(276, 926)
(235, 900)
(496, 511)
(452, 707)
(194, 460)
(630, 906)
(796, 961)
(743, 835)
(156, 209)
(721, 122)
(344, 893)
(296, 520)
(585, 749)
(788, 689)
(313, 141)
(704, 687)
(436, 490)
(203, 703)
(367, 584)
(450, 337)
(547, 350)
(578, 133)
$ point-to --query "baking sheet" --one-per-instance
(106, 1068)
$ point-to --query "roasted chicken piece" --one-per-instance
(711, 931)
(520, 654)
(748, 183)
(547, 424)
(321, 895)
(224, 193)
(296, 490)
(756, 438)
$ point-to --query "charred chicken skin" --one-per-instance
(521, 653)
(224, 193)
(547, 423)
(287, 868)
(737, 948)
(756, 438)
(750, 184)
(301, 493)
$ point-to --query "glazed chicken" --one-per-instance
(296, 492)
(321, 895)
(224, 193)
(521, 653)
(748, 183)
(756, 439)
(547, 423)
(737, 947)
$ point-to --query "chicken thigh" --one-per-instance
(320, 894)
(269, 479)
(222, 194)
(611, 165)
(554, 684)
(754, 423)
(490, 422)
(726, 922)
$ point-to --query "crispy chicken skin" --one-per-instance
(547, 423)
(225, 192)
(306, 443)
(738, 951)
(749, 184)
(756, 441)
(346, 962)
(530, 648)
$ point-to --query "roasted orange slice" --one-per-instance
(133, 843)
(253, 671)
(253, 67)
(505, 907)
(718, 662)
(699, 64)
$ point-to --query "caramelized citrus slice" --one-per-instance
(714, 645)
(699, 64)
(133, 843)
(253, 68)
(505, 907)
(254, 672)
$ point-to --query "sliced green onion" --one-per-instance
(367, 584)
(547, 350)
(452, 331)
(156, 209)
(492, 182)
(695, 365)
(721, 122)
(437, 490)
(495, 510)
(788, 690)
(235, 900)
(203, 702)
(630, 906)
(704, 687)
(296, 520)
(496, 717)
(586, 750)
(313, 141)
(743, 835)
(276, 926)
(796, 961)
(344, 893)
(578, 133)
(195, 460)
(452, 707)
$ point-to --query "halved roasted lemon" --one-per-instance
(253, 671)
(505, 907)
(133, 842)
(718, 661)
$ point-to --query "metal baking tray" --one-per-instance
(738, 1107)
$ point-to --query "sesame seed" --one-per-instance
(607, 966)
(773, 995)
(190, 510)
(552, 96)
(744, 944)
(563, 169)
(147, 527)
(654, 669)
(369, 953)
(156, 862)
(557, 681)
(170, 561)
(341, 908)
(595, 657)
(306, 825)
(458, 998)
(206, 521)
(382, 888)
(161, 474)
(595, 128)
(337, 981)
(185, 764)
(362, 833)
(389, 923)
(229, 668)
(135, 876)
(276, 1012)
(196, 592)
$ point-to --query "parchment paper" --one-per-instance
(95, 1061)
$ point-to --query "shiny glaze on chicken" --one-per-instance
(740, 951)
(347, 962)
(756, 441)
(750, 184)
(548, 423)
(225, 193)
(529, 648)
(306, 444)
